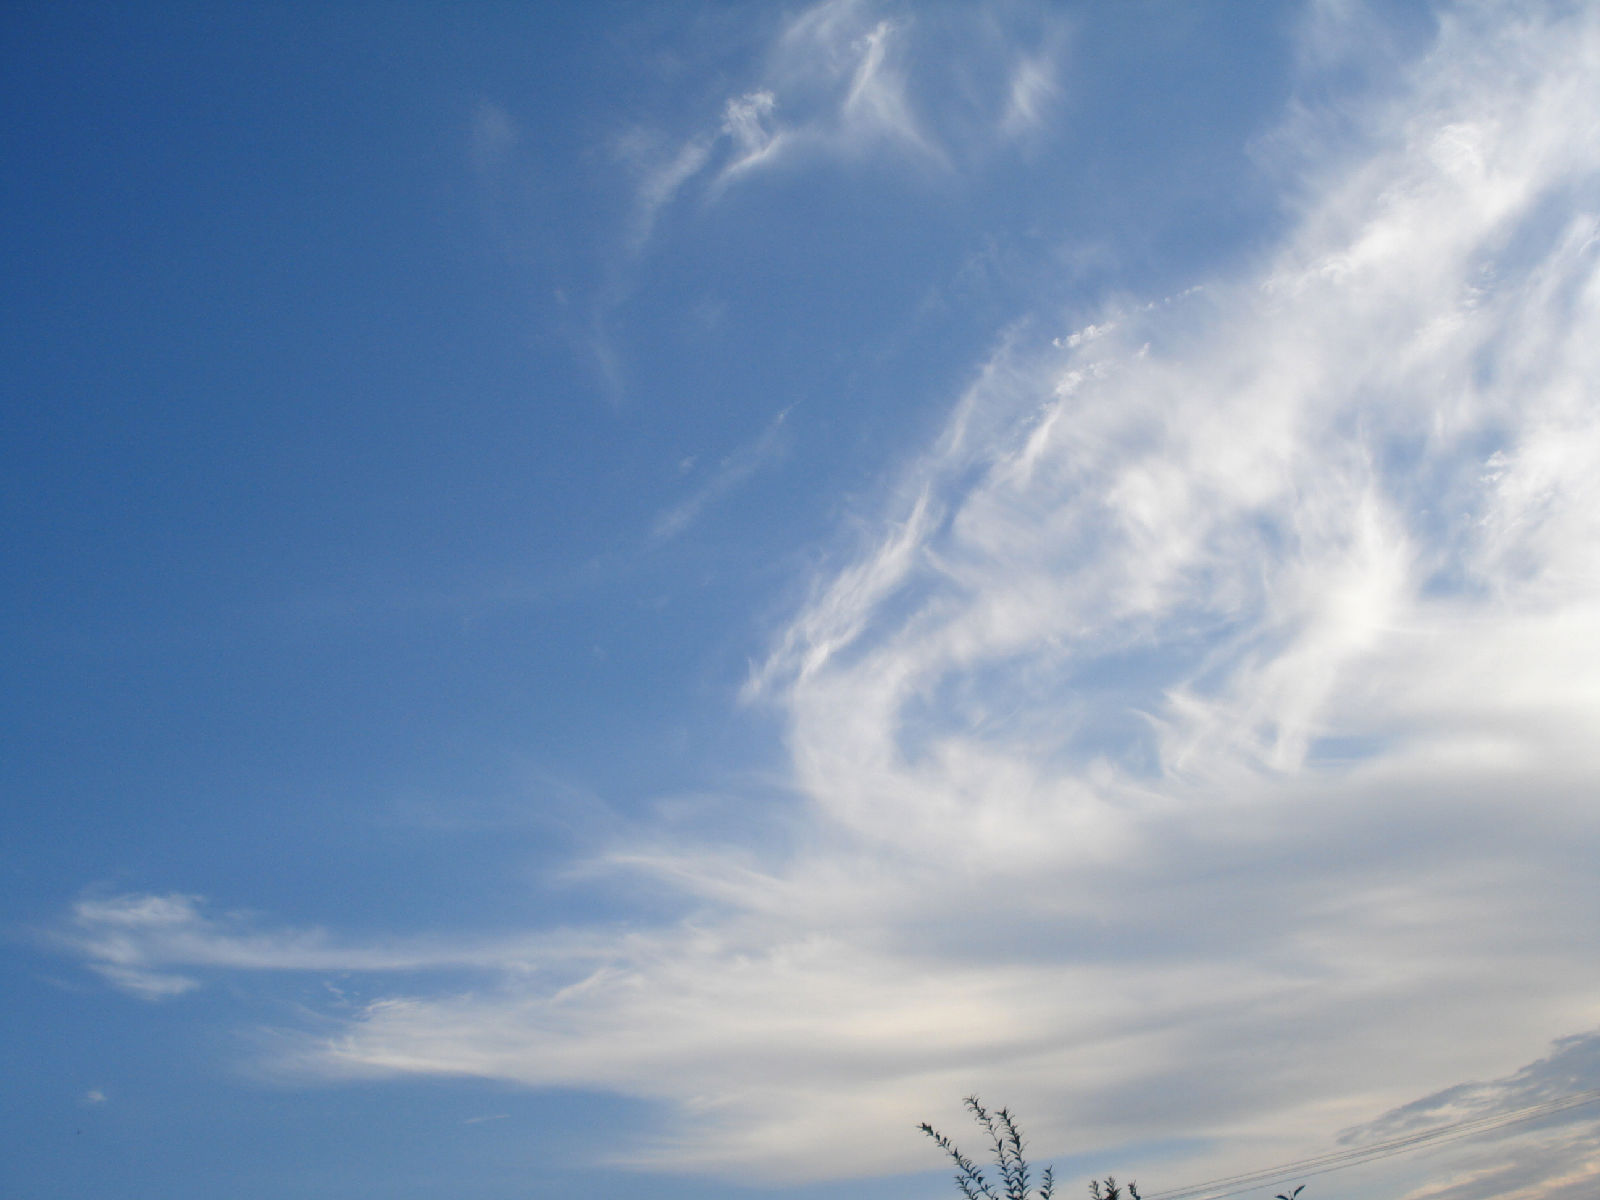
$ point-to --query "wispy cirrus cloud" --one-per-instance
(158, 946)
(1200, 742)
(849, 80)
(728, 474)
(932, 89)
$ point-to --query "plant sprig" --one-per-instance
(1005, 1143)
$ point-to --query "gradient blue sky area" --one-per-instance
(640, 597)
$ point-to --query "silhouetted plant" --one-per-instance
(1113, 1189)
(1005, 1141)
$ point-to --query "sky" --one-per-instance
(643, 597)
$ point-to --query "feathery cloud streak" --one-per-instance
(847, 79)
(1204, 742)
(154, 946)
(728, 474)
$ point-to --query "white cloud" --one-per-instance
(842, 64)
(662, 179)
(747, 121)
(1033, 88)
(1202, 743)
(729, 474)
(846, 81)
(137, 941)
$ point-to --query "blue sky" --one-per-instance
(642, 597)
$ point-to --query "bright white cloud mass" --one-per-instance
(1191, 742)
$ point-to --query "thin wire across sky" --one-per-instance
(1234, 1185)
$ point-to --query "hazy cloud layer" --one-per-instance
(1202, 743)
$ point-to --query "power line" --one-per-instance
(1234, 1185)
(1321, 1164)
